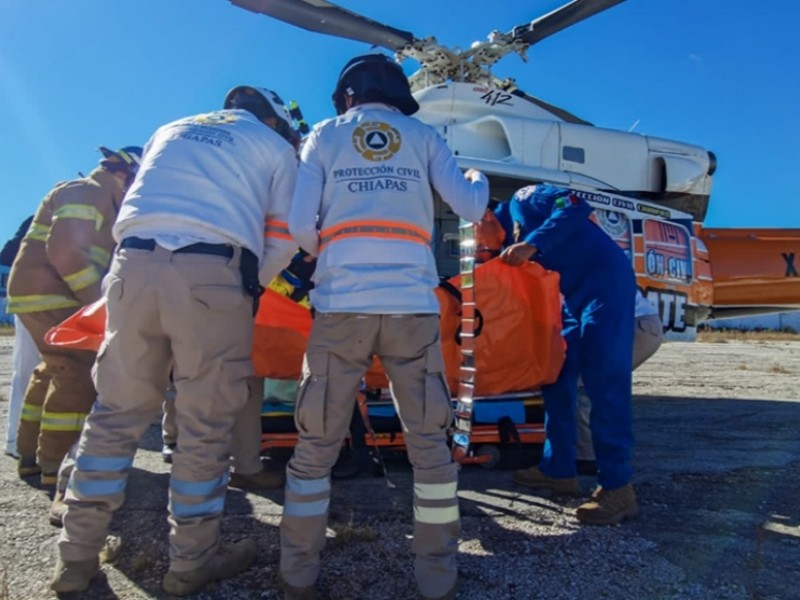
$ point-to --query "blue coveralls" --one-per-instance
(598, 285)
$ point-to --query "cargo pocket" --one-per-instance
(438, 409)
(309, 412)
(218, 298)
(113, 291)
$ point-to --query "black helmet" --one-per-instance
(374, 78)
(264, 104)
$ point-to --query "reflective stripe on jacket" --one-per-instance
(67, 249)
(364, 204)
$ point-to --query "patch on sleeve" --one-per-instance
(525, 193)
(566, 201)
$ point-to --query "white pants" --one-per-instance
(24, 358)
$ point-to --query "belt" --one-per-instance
(199, 248)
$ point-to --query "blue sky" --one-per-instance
(75, 74)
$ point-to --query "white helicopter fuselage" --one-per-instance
(505, 134)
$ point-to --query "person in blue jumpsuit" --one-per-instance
(551, 225)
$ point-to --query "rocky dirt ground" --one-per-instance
(717, 474)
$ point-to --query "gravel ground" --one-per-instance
(717, 475)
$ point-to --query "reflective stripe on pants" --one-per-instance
(60, 388)
(181, 312)
(339, 352)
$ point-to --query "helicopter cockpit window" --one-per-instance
(573, 154)
(667, 251)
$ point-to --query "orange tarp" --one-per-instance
(280, 336)
(84, 330)
(281, 332)
(519, 346)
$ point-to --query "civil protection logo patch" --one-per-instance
(376, 141)
(215, 118)
(614, 223)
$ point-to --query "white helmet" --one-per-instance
(264, 104)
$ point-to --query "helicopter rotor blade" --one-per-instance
(567, 15)
(325, 17)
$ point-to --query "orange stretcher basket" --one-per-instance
(518, 348)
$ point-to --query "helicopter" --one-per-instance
(650, 194)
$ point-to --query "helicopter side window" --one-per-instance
(573, 154)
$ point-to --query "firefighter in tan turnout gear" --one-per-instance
(59, 268)
(363, 204)
(204, 220)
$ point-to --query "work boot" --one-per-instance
(609, 507)
(263, 480)
(27, 466)
(297, 592)
(354, 462)
(49, 478)
(534, 478)
(230, 559)
(57, 510)
(74, 575)
(166, 452)
(346, 467)
(586, 467)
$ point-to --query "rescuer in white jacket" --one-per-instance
(206, 211)
(363, 204)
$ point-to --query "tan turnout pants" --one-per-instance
(58, 397)
(246, 441)
(339, 352)
(188, 313)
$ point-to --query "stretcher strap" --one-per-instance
(466, 379)
(361, 402)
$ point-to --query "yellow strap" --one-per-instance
(280, 285)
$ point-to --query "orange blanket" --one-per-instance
(519, 346)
